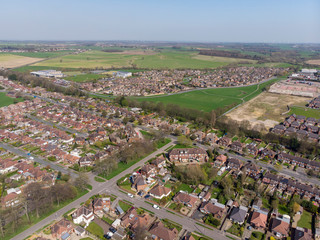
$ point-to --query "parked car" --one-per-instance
(112, 229)
(156, 206)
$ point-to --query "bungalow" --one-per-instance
(267, 153)
(214, 208)
(159, 232)
(159, 162)
(186, 199)
(148, 170)
(160, 191)
(211, 138)
(280, 226)
(299, 233)
(83, 215)
(238, 214)
(258, 219)
(10, 200)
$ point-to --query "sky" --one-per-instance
(267, 21)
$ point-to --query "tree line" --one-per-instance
(33, 81)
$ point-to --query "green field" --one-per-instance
(209, 99)
(308, 112)
(41, 54)
(84, 77)
(5, 100)
(140, 59)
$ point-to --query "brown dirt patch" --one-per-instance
(12, 61)
(266, 109)
(314, 61)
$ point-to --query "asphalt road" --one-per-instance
(81, 134)
(38, 159)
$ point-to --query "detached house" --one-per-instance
(238, 214)
(185, 199)
(220, 160)
(235, 163)
(258, 219)
(280, 226)
(160, 232)
(224, 141)
(83, 215)
(101, 204)
(62, 229)
(214, 208)
(236, 146)
(160, 191)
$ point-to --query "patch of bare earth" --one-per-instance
(18, 62)
(314, 62)
(266, 109)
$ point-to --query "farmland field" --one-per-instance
(208, 99)
(41, 54)
(140, 59)
(5, 100)
(11, 61)
(267, 108)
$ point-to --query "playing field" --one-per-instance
(267, 108)
(314, 62)
(304, 111)
(140, 59)
(11, 60)
(208, 99)
(5, 100)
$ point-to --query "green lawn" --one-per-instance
(23, 225)
(97, 179)
(95, 229)
(208, 99)
(125, 206)
(185, 187)
(305, 220)
(304, 111)
(160, 144)
(84, 77)
(5, 100)
(257, 236)
(42, 54)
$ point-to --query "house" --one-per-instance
(252, 169)
(186, 199)
(148, 170)
(299, 233)
(10, 200)
(62, 229)
(79, 231)
(135, 221)
(267, 153)
(220, 160)
(224, 141)
(160, 232)
(258, 219)
(252, 149)
(211, 138)
(139, 183)
(101, 204)
(236, 146)
(186, 155)
(214, 208)
(235, 163)
(280, 226)
(238, 214)
(159, 162)
(160, 191)
(271, 179)
(279, 129)
(83, 215)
